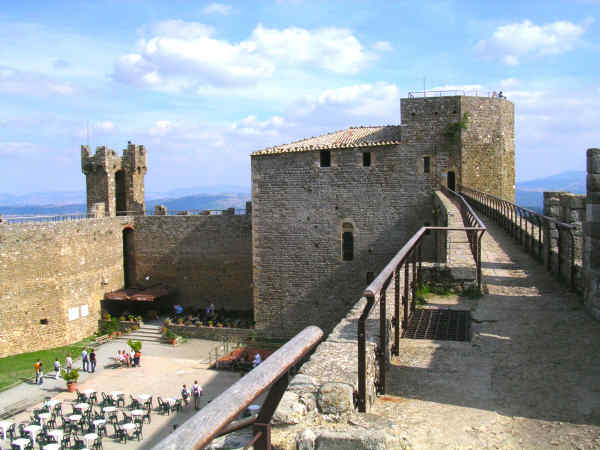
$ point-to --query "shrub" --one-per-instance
(136, 346)
(70, 377)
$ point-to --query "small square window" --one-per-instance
(366, 159)
(325, 158)
(426, 164)
(43, 321)
(370, 277)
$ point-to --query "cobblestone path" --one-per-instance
(530, 377)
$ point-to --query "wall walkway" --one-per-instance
(530, 378)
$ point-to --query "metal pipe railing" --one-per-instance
(408, 261)
(541, 236)
(213, 420)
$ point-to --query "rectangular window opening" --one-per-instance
(366, 159)
(43, 321)
(325, 158)
(426, 164)
(347, 246)
(370, 277)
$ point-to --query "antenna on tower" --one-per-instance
(87, 133)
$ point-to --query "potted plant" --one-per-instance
(163, 330)
(138, 319)
(106, 316)
(199, 324)
(131, 318)
(71, 378)
(210, 323)
(118, 333)
(171, 337)
(180, 321)
(122, 318)
(219, 325)
(168, 322)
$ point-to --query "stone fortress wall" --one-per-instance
(208, 258)
(53, 277)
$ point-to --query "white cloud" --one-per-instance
(105, 126)
(383, 46)
(186, 55)
(18, 82)
(511, 42)
(217, 8)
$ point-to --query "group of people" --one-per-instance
(38, 366)
(88, 360)
(195, 392)
(130, 358)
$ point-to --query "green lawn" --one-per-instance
(18, 368)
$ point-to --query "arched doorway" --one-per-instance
(120, 203)
(451, 181)
(129, 257)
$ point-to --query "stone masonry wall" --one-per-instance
(207, 258)
(48, 269)
(488, 146)
(299, 209)
(592, 234)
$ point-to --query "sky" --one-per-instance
(204, 84)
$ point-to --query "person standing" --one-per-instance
(41, 371)
(68, 363)
(92, 357)
(56, 368)
(84, 360)
(185, 395)
(196, 392)
(36, 368)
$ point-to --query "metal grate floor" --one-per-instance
(439, 324)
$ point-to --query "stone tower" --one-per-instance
(115, 184)
(476, 150)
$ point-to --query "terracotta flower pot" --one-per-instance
(173, 341)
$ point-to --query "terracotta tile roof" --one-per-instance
(349, 138)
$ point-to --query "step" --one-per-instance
(148, 332)
(135, 338)
(151, 327)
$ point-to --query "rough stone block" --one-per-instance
(335, 398)
(593, 182)
(290, 410)
(593, 160)
(351, 439)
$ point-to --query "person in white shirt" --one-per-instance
(68, 363)
(56, 368)
(256, 361)
(185, 395)
(196, 392)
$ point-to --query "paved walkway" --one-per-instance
(530, 378)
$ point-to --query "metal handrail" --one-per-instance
(214, 418)
(448, 93)
(523, 225)
(409, 254)
(43, 217)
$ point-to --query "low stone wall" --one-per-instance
(210, 333)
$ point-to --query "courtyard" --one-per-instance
(163, 371)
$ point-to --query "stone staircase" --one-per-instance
(146, 333)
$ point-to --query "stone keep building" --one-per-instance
(115, 183)
(329, 212)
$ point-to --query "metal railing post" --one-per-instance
(362, 354)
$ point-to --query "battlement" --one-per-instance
(105, 159)
(134, 157)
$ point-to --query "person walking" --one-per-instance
(185, 395)
(84, 360)
(92, 357)
(36, 368)
(56, 368)
(196, 392)
(41, 372)
(68, 363)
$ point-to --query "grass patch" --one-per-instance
(471, 292)
(18, 368)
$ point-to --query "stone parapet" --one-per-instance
(591, 235)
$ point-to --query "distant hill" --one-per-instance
(530, 193)
(187, 203)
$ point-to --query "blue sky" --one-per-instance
(203, 84)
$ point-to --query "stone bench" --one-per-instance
(101, 340)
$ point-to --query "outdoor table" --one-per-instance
(170, 400)
(82, 406)
(43, 417)
(88, 392)
(253, 409)
(128, 427)
(116, 394)
(51, 403)
(51, 447)
(144, 397)
(90, 438)
(56, 434)
(98, 422)
(33, 430)
(75, 417)
(21, 443)
(109, 409)
(5, 425)
(137, 412)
